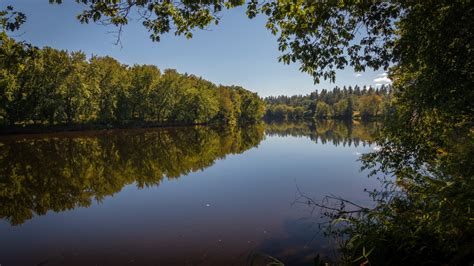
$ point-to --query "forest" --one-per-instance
(422, 215)
(345, 103)
(50, 87)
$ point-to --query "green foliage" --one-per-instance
(17, 60)
(229, 105)
(251, 107)
(343, 104)
(11, 20)
(321, 35)
(426, 145)
(111, 78)
(424, 214)
(322, 110)
(369, 105)
(52, 87)
(158, 17)
(142, 94)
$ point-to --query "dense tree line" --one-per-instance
(340, 103)
(53, 87)
(427, 144)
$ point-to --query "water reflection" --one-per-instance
(64, 171)
(336, 132)
(237, 205)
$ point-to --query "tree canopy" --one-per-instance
(341, 103)
(321, 35)
(427, 141)
(53, 87)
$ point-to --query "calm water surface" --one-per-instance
(180, 196)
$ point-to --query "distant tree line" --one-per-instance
(53, 87)
(341, 103)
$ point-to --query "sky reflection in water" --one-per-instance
(182, 196)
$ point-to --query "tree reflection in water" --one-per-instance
(59, 172)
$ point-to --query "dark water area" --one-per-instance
(176, 196)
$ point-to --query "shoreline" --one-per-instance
(42, 129)
(48, 129)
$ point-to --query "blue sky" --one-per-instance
(238, 51)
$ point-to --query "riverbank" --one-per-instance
(314, 119)
(39, 129)
(45, 129)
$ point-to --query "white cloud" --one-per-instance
(381, 80)
(357, 75)
(384, 74)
